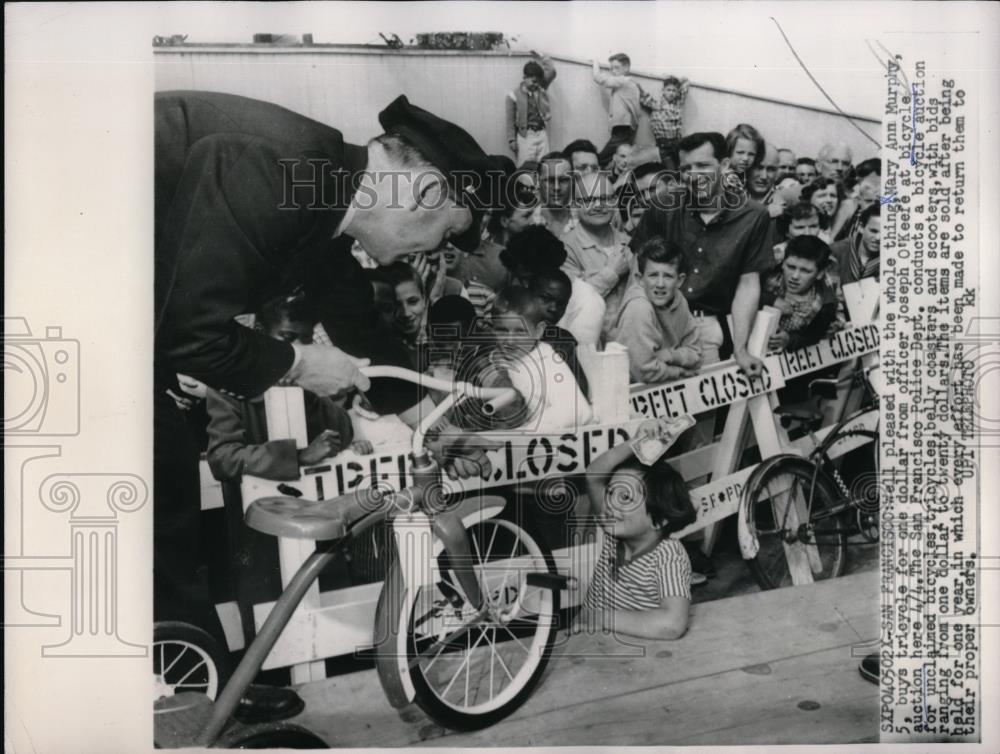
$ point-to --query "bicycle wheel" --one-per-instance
(467, 669)
(778, 492)
(186, 658)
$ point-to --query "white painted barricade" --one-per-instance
(329, 624)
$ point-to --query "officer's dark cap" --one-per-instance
(470, 171)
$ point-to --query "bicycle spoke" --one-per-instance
(493, 536)
(504, 666)
(519, 643)
(163, 670)
(468, 670)
(493, 652)
(443, 645)
(465, 663)
(200, 664)
(510, 564)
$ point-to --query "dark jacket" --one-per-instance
(820, 326)
(238, 442)
(248, 197)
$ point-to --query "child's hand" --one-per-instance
(326, 444)
(362, 447)
(618, 261)
(777, 342)
(782, 306)
(655, 428)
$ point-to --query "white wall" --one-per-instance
(347, 87)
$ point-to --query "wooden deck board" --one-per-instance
(736, 677)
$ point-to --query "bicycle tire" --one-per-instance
(401, 636)
(770, 566)
(861, 483)
(192, 657)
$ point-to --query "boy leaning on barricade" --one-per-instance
(623, 107)
(667, 114)
(654, 321)
(805, 297)
(528, 110)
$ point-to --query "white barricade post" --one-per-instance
(285, 410)
(734, 434)
(607, 375)
(340, 622)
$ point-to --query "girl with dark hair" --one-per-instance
(825, 194)
(642, 582)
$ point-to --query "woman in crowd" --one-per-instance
(825, 195)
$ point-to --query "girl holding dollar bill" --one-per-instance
(642, 582)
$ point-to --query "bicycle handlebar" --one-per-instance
(495, 397)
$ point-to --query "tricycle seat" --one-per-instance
(296, 518)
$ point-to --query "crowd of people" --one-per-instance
(654, 246)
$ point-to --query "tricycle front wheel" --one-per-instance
(467, 668)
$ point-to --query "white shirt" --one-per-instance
(550, 391)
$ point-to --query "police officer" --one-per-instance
(251, 198)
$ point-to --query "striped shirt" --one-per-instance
(642, 583)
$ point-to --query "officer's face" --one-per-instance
(413, 217)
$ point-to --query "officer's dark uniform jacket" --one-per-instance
(248, 198)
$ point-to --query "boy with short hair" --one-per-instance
(528, 110)
(552, 398)
(623, 109)
(858, 256)
(597, 252)
(803, 220)
(800, 291)
(805, 170)
(237, 429)
(553, 290)
(654, 322)
(667, 114)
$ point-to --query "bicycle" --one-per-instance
(466, 592)
(813, 503)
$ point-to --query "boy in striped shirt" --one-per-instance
(642, 582)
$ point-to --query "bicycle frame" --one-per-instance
(820, 460)
(361, 511)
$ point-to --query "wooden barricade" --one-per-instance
(329, 624)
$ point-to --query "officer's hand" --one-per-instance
(191, 386)
(326, 370)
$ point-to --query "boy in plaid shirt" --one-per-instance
(667, 113)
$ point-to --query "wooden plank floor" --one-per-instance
(765, 668)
